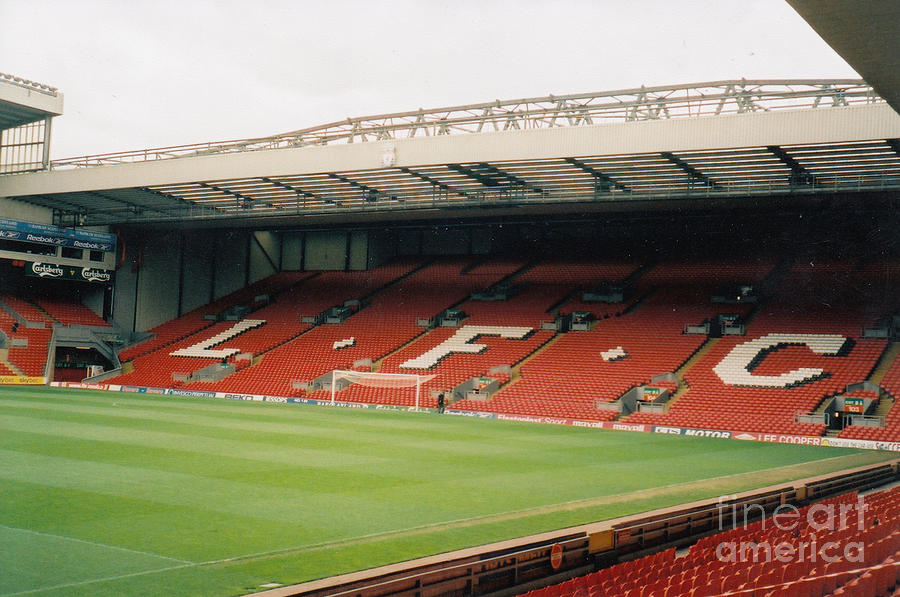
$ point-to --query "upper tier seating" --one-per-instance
(836, 566)
(68, 312)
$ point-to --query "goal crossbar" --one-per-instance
(380, 380)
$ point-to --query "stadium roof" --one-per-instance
(26, 110)
(588, 151)
(23, 101)
(865, 33)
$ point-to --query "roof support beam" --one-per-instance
(799, 175)
(244, 201)
(180, 203)
(436, 183)
(600, 177)
(690, 170)
(134, 207)
(369, 194)
(493, 177)
(895, 145)
(295, 189)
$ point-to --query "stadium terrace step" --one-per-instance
(49, 317)
(884, 363)
(683, 387)
(4, 361)
(885, 404)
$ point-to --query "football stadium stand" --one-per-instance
(532, 294)
(742, 344)
(813, 302)
(28, 346)
(387, 321)
(308, 297)
(579, 370)
(194, 321)
(67, 312)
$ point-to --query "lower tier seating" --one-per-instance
(890, 383)
(711, 403)
(805, 555)
(803, 341)
(33, 359)
(808, 313)
(540, 289)
(386, 323)
(192, 322)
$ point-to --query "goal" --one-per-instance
(380, 380)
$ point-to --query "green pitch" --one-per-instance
(111, 494)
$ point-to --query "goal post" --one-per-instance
(380, 380)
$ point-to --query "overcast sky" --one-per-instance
(151, 74)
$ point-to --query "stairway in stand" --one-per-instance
(5, 362)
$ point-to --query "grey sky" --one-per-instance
(149, 74)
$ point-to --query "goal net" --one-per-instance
(379, 380)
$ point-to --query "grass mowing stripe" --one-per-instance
(376, 538)
(31, 561)
(93, 581)
(271, 429)
(93, 543)
(548, 508)
(257, 492)
(279, 425)
(247, 446)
